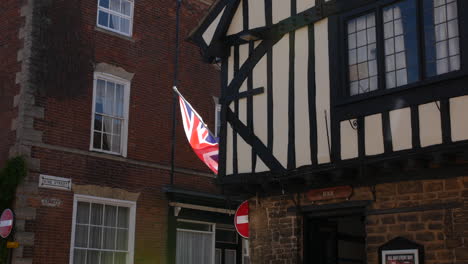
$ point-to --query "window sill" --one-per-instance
(109, 153)
(346, 100)
(115, 34)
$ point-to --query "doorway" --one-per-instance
(337, 239)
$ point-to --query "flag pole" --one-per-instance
(174, 94)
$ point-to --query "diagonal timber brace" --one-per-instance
(263, 152)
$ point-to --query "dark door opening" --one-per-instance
(335, 239)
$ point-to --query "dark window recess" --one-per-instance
(397, 44)
(194, 226)
(226, 236)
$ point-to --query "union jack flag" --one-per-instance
(203, 143)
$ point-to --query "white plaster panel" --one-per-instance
(260, 106)
(261, 167)
(229, 148)
(301, 98)
(281, 10)
(303, 5)
(244, 156)
(374, 142)
(322, 81)
(209, 33)
(256, 13)
(430, 124)
(459, 117)
(400, 127)
(280, 99)
(237, 23)
(349, 140)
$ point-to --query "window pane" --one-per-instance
(107, 128)
(117, 127)
(96, 214)
(123, 217)
(116, 144)
(82, 213)
(95, 237)
(115, 5)
(126, 7)
(109, 101)
(93, 257)
(401, 47)
(100, 95)
(114, 22)
(97, 140)
(362, 52)
(125, 25)
(79, 256)
(103, 18)
(119, 100)
(122, 239)
(218, 256)
(104, 3)
(120, 258)
(110, 217)
(106, 141)
(107, 258)
(109, 238)
(441, 36)
(229, 256)
(98, 122)
(81, 236)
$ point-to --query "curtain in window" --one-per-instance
(194, 248)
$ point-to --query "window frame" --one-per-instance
(106, 201)
(109, 11)
(212, 232)
(126, 97)
(344, 96)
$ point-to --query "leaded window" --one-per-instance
(395, 45)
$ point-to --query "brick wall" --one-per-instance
(10, 44)
(59, 49)
(276, 235)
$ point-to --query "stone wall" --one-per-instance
(396, 209)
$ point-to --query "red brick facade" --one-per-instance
(52, 48)
(397, 210)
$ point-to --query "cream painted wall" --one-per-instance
(374, 135)
(237, 24)
(301, 96)
(256, 13)
(208, 34)
(280, 99)
(400, 127)
(430, 125)
(303, 5)
(459, 117)
(322, 79)
(244, 156)
(281, 10)
(349, 140)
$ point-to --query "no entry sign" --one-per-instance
(6, 223)
(241, 219)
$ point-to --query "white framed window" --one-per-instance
(103, 231)
(116, 16)
(109, 121)
(195, 242)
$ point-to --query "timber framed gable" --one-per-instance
(287, 118)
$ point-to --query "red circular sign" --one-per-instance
(241, 219)
(6, 223)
